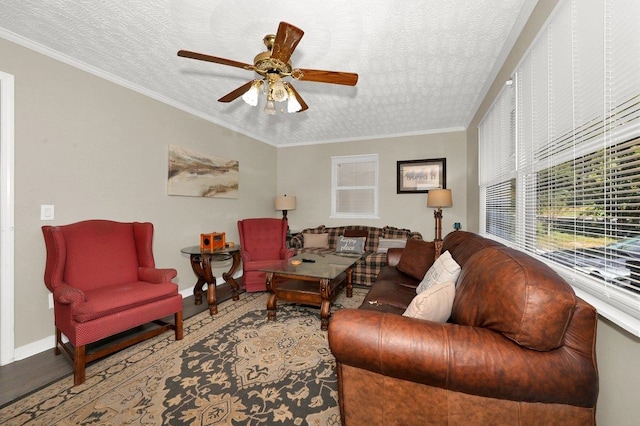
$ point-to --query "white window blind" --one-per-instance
(354, 186)
(498, 173)
(577, 141)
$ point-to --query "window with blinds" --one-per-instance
(354, 186)
(571, 191)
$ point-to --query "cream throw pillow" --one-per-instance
(433, 304)
(316, 240)
(444, 269)
(384, 244)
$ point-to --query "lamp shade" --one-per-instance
(439, 198)
(283, 202)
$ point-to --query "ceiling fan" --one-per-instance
(272, 66)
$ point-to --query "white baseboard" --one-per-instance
(35, 348)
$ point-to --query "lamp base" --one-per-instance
(438, 246)
(437, 214)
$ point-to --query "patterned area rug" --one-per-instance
(233, 368)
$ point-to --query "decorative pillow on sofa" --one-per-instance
(350, 245)
(433, 304)
(384, 244)
(356, 233)
(316, 240)
(416, 258)
(443, 270)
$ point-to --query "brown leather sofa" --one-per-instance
(519, 347)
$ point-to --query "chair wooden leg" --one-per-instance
(79, 365)
(56, 350)
(178, 323)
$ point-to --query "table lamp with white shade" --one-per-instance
(285, 203)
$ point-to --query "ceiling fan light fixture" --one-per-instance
(277, 91)
(270, 107)
(251, 95)
(293, 105)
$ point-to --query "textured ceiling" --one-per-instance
(424, 65)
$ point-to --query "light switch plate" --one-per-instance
(46, 212)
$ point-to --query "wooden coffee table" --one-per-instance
(314, 283)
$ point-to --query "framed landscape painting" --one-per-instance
(195, 174)
(415, 176)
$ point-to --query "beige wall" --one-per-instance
(94, 149)
(305, 172)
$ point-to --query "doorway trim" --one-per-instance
(7, 229)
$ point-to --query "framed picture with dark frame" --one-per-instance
(415, 176)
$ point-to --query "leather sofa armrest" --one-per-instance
(473, 360)
(156, 275)
(393, 256)
(390, 344)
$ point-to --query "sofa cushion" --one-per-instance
(434, 303)
(118, 298)
(95, 249)
(387, 293)
(316, 240)
(443, 270)
(417, 257)
(393, 275)
(516, 295)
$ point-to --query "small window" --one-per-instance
(354, 186)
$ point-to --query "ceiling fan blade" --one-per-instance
(302, 103)
(215, 59)
(231, 96)
(286, 40)
(334, 77)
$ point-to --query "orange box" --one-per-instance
(212, 241)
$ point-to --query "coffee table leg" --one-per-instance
(349, 283)
(272, 301)
(325, 307)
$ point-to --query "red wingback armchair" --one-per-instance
(262, 241)
(104, 281)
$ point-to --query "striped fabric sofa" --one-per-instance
(367, 268)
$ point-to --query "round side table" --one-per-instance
(201, 265)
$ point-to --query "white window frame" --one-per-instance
(563, 55)
(336, 162)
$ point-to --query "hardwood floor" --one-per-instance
(23, 377)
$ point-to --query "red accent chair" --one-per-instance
(104, 281)
(262, 241)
